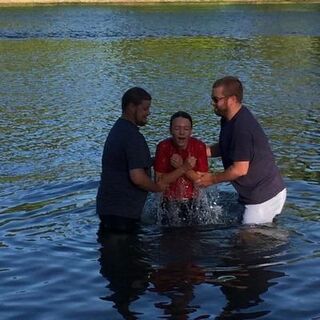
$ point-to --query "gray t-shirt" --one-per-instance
(242, 139)
(124, 149)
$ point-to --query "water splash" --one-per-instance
(202, 210)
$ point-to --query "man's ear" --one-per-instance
(234, 99)
(130, 108)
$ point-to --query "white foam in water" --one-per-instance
(203, 211)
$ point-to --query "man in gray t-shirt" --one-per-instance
(126, 162)
(246, 155)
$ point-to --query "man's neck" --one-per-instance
(233, 111)
(128, 118)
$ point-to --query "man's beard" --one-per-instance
(141, 123)
(218, 112)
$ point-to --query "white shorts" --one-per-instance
(264, 212)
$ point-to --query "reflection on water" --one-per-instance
(237, 277)
(123, 266)
(63, 71)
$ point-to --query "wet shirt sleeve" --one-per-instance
(202, 159)
(162, 159)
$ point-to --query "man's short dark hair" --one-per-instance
(232, 86)
(181, 114)
(134, 95)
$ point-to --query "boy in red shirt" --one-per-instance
(179, 161)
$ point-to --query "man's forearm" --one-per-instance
(192, 175)
(143, 181)
(232, 173)
(171, 176)
(148, 185)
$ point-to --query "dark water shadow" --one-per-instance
(173, 267)
(123, 265)
(255, 252)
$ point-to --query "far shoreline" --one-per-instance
(21, 3)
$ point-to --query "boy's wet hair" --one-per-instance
(181, 114)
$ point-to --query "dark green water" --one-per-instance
(63, 71)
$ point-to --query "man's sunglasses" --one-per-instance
(217, 99)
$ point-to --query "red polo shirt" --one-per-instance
(182, 188)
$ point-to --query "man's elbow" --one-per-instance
(137, 182)
(241, 172)
(137, 177)
(240, 169)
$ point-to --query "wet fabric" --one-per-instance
(177, 212)
(242, 139)
(182, 188)
(266, 211)
(125, 149)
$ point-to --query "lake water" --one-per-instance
(63, 72)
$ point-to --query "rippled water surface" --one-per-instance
(62, 73)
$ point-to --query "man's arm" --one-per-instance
(213, 150)
(235, 171)
(201, 160)
(176, 161)
(172, 176)
(143, 181)
(194, 176)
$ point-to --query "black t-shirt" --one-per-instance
(242, 139)
(125, 149)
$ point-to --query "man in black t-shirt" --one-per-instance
(126, 162)
(246, 155)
